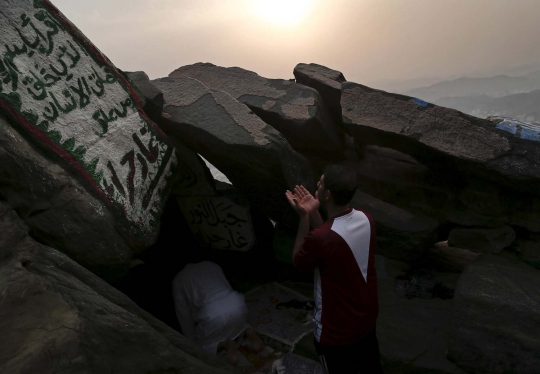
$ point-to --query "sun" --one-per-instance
(282, 12)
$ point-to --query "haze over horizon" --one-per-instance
(385, 44)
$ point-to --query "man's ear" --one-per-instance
(328, 195)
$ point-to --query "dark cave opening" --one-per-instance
(149, 281)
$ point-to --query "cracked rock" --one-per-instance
(253, 155)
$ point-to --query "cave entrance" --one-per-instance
(149, 281)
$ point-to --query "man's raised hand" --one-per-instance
(306, 199)
(295, 203)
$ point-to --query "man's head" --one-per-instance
(337, 185)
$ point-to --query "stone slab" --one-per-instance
(326, 81)
(295, 110)
(442, 137)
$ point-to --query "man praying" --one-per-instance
(341, 253)
(211, 314)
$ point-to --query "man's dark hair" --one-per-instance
(341, 181)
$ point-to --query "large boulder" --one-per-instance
(254, 156)
(151, 96)
(444, 138)
(194, 176)
(401, 235)
(57, 207)
(495, 322)
(326, 81)
(295, 110)
(79, 159)
(57, 316)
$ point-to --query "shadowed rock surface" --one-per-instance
(194, 177)
(58, 209)
(412, 333)
(295, 110)
(56, 316)
(441, 137)
(482, 240)
(401, 235)
(399, 179)
(472, 219)
(254, 156)
(495, 321)
(529, 248)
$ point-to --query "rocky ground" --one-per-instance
(412, 332)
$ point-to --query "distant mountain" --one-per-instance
(501, 85)
(516, 71)
(525, 106)
(533, 75)
(402, 86)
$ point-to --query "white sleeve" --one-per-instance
(183, 312)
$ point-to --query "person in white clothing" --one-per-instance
(211, 314)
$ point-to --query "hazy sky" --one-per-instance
(369, 41)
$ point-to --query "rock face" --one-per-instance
(400, 180)
(254, 156)
(153, 98)
(529, 246)
(442, 137)
(482, 240)
(194, 176)
(401, 235)
(495, 322)
(79, 158)
(457, 203)
(220, 222)
(57, 316)
(472, 219)
(326, 81)
(295, 110)
(60, 210)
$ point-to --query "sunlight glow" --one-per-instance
(282, 12)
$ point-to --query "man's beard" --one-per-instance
(323, 210)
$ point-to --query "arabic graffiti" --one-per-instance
(54, 79)
(218, 222)
(187, 177)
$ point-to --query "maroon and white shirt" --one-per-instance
(342, 254)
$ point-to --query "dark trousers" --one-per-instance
(358, 358)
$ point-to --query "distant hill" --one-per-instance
(497, 86)
(525, 106)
